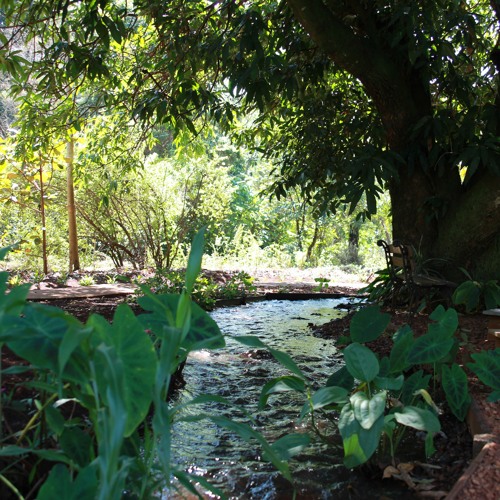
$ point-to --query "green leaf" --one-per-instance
(71, 340)
(290, 445)
(446, 323)
(194, 260)
(403, 342)
(412, 384)
(359, 444)
(491, 292)
(361, 363)
(454, 381)
(5, 250)
(368, 324)
(55, 420)
(418, 418)
(60, 485)
(13, 451)
(136, 352)
(323, 397)
(429, 445)
(487, 367)
(282, 384)
(38, 335)
(389, 383)
(14, 302)
(77, 445)
(203, 333)
(429, 348)
(341, 378)
(468, 294)
(368, 410)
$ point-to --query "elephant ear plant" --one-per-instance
(380, 398)
(101, 420)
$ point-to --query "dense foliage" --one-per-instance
(348, 97)
(101, 410)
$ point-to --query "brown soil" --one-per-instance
(454, 444)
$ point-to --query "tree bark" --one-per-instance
(44, 228)
(74, 261)
(437, 214)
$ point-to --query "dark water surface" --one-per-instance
(239, 373)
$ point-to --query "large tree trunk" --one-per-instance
(439, 216)
(469, 233)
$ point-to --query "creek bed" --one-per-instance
(239, 373)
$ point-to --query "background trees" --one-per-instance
(349, 98)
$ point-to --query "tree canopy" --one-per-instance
(349, 97)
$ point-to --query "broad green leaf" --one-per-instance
(403, 342)
(418, 418)
(290, 445)
(135, 351)
(468, 294)
(282, 384)
(70, 342)
(203, 333)
(55, 420)
(491, 292)
(384, 367)
(446, 323)
(39, 334)
(429, 348)
(359, 444)
(361, 363)
(341, 378)
(454, 381)
(4, 250)
(389, 383)
(194, 260)
(13, 302)
(412, 384)
(77, 445)
(323, 397)
(60, 485)
(368, 324)
(487, 367)
(368, 410)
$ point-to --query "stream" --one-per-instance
(238, 373)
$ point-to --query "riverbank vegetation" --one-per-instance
(298, 133)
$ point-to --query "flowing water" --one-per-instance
(238, 373)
